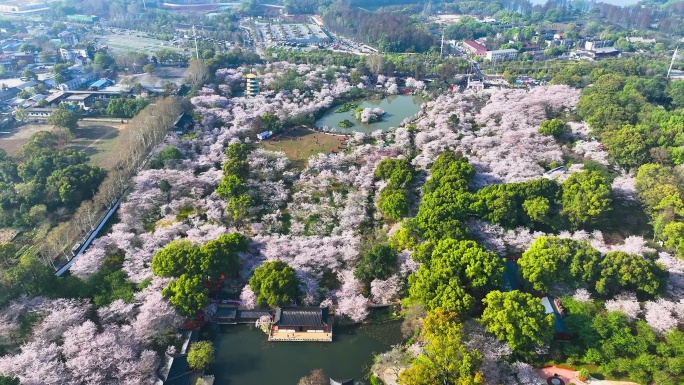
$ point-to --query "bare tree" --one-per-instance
(198, 72)
(413, 321)
(316, 377)
(376, 63)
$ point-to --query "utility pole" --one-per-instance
(674, 55)
(194, 33)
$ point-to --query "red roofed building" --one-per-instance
(474, 47)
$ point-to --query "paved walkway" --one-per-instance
(567, 375)
(570, 376)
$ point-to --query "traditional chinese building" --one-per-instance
(301, 324)
(251, 85)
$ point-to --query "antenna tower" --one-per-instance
(674, 55)
(194, 33)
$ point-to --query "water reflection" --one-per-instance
(397, 108)
(244, 356)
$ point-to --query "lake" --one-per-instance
(244, 356)
(397, 108)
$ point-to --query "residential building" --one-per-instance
(24, 7)
(100, 84)
(55, 97)
(474, 48)
(593, 44)
(82, 100)
(502, 54)
(8, 94)
(89, 19)
(78, 81)
(39, 113)
(71, 55)
(67, 37)
(604, 52)
(27, 57)
(28, 84)
(641, 40)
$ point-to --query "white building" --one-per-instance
(70, 55)
(641, 40)
(502, 54)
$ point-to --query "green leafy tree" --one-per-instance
(238, 206)
(9, 380)
(29, 75)
(630, 272)
(380, 262)
(586, 196)
(406, 237)
(454, 274)
(210, 260)
(519, 319)
(220, 256)
(629, 145)
(275, 284)
(445, 360)
(103, 61)
(8, 254)
(658, 190)
(554, 127)
(676, 94)
(21, 114)
(552, 259)
(393, 203)
(537, 209)
(187, 294)
(269, 122)
(673, 236)
(32, 277)
(231, 185)
(201, 355)
(174, 259)
(64, 118)
(399, 172)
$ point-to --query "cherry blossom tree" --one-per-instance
(625, 303)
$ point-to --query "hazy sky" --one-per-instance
(615, 2)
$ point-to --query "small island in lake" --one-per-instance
(346, 123)
(346, 107)
(369, 115)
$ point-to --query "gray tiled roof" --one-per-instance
(301, 316)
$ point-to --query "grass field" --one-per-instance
(97, 139)
(124, 43)
(299, 144)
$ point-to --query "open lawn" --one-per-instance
(95, 138)
(158, 78)
(300, 143)
(98, 140)
(123, 43)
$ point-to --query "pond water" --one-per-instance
(244, 356)
(397, 108)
